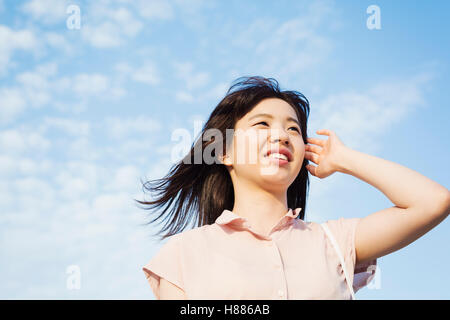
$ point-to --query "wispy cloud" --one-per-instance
(109, 26)
(146, 73)
(123, 127)
(286, 48)
(13, 40)
(18, 141)
(12, 104)
(192, 79)
(155, 9)
(46, 11)
(77, 131)
(360, 118)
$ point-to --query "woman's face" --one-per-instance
(271, 125)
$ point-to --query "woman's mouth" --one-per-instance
(277, 158)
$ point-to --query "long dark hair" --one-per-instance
(205, 190)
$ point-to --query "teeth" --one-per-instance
(278, 156)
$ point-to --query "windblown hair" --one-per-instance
(205, 190)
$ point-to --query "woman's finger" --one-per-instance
(316, 141)
(312, 157)
(311, 169)
(313, 148)
(324, 132)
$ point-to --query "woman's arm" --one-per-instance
(420, 203)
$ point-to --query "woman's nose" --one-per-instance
(279, 135)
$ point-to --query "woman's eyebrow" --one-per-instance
(271, 117)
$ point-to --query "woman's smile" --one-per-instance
(276, 158)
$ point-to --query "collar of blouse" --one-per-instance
(232, 219)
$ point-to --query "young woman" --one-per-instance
(251, 239)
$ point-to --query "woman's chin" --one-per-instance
(274, 170)
(278, 176)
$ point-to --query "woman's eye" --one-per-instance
(265, 123)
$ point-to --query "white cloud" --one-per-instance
(58, 41)
(32, 89)
(282, 48)
(112, 23)
(46, 11)
(28, 40)
(291, 47)
(41, 87)
(215, 93)
(184, 97)
(12, 104)
(82, 148)
(30, 185)
(73, 184)
(130, 26)
(90, 84)
(119, 128)
(117, 93)
(35, 86)
(78, 179)
(155, 9)
(12, 166)
(80, 229)
(123, 68)
(37, 78)
(192, 13)
(360, 118)
(146, 74)
(192, 79)
(109, 27)
(86, 85)
(102, 36)
(66, 125)
(11, 41)
(18, 141)
(124, 178)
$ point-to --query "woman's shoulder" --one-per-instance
(305, 225)
(339, 221)
(198, 233)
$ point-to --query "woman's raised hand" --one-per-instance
(324, 153)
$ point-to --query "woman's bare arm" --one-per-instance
(420, 203)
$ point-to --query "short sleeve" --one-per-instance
(165, 264)
(344, 230)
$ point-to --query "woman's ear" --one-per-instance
(225, 160)
(226, 157)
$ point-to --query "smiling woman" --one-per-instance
(251, 239)
(202, 191)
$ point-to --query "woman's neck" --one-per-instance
(262, 208)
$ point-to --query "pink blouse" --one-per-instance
(229, 260)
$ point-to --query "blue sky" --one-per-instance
(85, 113)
